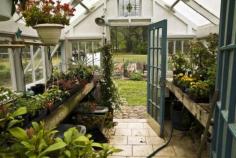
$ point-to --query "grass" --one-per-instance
(135, 92)
(130, 57)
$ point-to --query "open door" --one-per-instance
(157, 58)
(224, 132)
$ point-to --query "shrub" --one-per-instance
(136, 76)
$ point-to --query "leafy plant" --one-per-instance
(80, 146)
(199, 90)
(35, 142)
(180, 62)
(109, 93)
(47, 11)
(136, 76)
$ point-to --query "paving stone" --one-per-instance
(126, 150)
(140, 132)
(122, 125)
(167, 151)
(123, 132)
(154, 140)
(135, 125)
(118, 140)
(136, 140)
(142, 150)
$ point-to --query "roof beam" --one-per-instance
(76, 2)
(174, 4)
(202, 11)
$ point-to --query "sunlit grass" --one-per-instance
(135, 92)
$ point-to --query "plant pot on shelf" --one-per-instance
(92, 119)
(5, 10)
(49, 34)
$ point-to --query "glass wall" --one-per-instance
(5, 71)
(86, 51)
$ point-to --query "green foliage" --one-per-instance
(136, 76)
(199, 89)
(109, 93)
(129, 39)
(180, 62)
(201, 62)
(37, 142)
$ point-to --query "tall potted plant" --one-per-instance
(48, 18)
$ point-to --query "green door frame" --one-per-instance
(224, 131)
(157, 58)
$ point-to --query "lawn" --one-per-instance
(130, 57)
(135, 92)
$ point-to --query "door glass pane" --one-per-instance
(151, 39)
(155, 76)
(159, 58)
(160, 37)
(233, 154)
(5, 71)
(155, 58)
(156, 38)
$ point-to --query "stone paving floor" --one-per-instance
(137, 140)
(131, 112)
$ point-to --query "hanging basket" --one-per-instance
(49, 34)
(5, 10)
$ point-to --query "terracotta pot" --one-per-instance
(5, 10)
(49, 34)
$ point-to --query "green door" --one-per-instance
(224, 131)
(157, 56)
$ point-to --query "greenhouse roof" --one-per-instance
(200, 12)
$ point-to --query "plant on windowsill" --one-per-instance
(48, 18)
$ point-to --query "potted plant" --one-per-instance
(48, 18)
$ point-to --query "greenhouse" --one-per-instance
(117, 78)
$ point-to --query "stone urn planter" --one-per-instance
(49, 34)
(5, 10)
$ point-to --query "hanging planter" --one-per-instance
(48, 18)
(49, 34)
(5, 10)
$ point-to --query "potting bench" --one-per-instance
(199, 110)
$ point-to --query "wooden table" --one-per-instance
(199, 110)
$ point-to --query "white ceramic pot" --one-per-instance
(49, 34)
(5, 10)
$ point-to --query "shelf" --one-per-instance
(67, 107)
(199, 110)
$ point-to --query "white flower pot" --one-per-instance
(5, 10)
(49, 34)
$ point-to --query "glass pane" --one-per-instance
(38, 65)
(5, 71)
(155, 58)
(186, 46)
(129, 7)
(160, 37)
(155, 76)
(170, 47)
(96, 46)
(178, 46)
(151, 39)
(159, 58)
(27, 65)
(89, 47)
(155, 38)
(82, 46)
